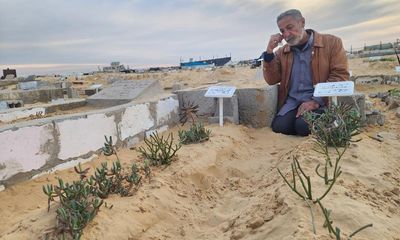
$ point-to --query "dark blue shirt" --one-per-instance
(301, 88)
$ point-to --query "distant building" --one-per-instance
(381, 46)
(115, 67)
(217, 62)
(380, 49)
(9, 72)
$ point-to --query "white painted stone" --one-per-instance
(66, 165)
(165, 108)
(2, 188)
(135, 120)
(13, 114)
(22, 149)
(83, 135)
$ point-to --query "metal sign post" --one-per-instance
(220, 92)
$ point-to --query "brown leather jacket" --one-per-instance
(329, 64)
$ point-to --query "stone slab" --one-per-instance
(124, 91)
(257, 106)
(368, 80)
(28, 85)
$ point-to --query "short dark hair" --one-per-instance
(296, 14)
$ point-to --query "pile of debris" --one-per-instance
(392, 100)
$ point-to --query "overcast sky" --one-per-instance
(150, 32)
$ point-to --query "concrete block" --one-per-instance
(30, 78)
(357, 102)
(231, 110)
(257, 106)
(375, 118)
(376, 80)
(72, 93)
(93, 89)
(82, 135)
(32, 96)
(3, 105)
(28, 85)
(398, 112)
(135, 119)
(196, 96)
(167, 110)
(124, 91)
(24, 149)
(393, 102)
(208, 107)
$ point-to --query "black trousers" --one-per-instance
(290, 125)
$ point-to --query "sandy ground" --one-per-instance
(229, 188)
(239, 76)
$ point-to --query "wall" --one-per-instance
(256, 106)
(36, 146)
(32, 96)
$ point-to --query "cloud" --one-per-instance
(150, 32)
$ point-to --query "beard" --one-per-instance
(295, 40)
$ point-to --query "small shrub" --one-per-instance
(77, 206)
(394, 92)
(114, 181)
(387, 59)
(147, 170)
(159, 150)
(196, 133)
(109, 148)
(336, 126)
(81, 200)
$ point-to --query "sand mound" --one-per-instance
(229, 188)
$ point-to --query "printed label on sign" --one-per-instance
(330, 89)
(220, 91)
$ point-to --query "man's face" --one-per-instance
(292, 30)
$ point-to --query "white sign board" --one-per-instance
(332, 89)
(220, 91)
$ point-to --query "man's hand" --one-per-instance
(306, 107)
(273, 42)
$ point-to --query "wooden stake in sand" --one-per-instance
(334, 90)
(220, 92)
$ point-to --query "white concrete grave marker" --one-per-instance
(220, 92)
(334, 89)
